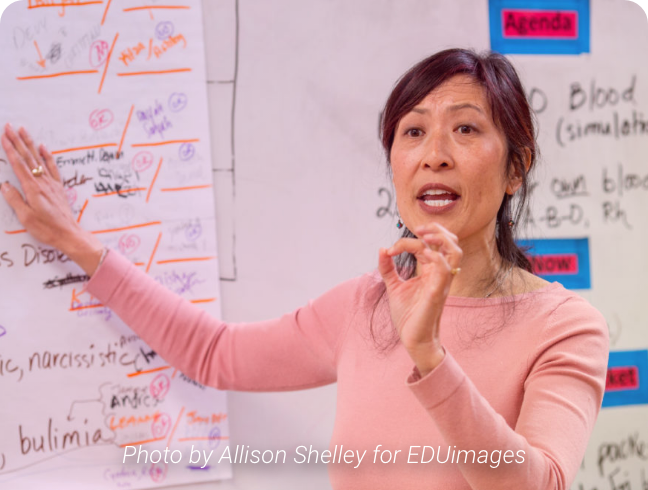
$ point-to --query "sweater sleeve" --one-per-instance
(295, 351)
(562, 398)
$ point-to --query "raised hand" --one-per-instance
(44, 210)
(416, 304)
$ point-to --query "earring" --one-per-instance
(511, 223)
(399, 225)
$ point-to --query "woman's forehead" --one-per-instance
(459, 90)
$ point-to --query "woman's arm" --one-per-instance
(295, 351)
(562, 398)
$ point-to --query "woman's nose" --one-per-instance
(437, 152)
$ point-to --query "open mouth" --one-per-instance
(438, 197)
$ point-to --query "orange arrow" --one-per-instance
(41, 62)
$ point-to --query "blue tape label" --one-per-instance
(540, 26)
(565, 260)
(627, 379)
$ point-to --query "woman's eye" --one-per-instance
(465, 129)
(414, 132)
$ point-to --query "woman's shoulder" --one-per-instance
(556, 298)
(565, 312)
(563, 319)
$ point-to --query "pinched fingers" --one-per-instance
(445, 246)
(436, 228)
(386, 265)
(443, 241)
(410, 245)
(426, 251)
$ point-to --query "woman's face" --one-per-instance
(449, 139)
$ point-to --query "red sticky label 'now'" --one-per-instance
(540, 24)
(554, 264)
(622, 378)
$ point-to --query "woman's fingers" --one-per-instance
(386, 265)
(426, 251)
(446, 246)
(436, 233)
(15, 160)
(34, 154)
(410, 245)
(25, 156)
(388, 270)
(438, 258)
(436, 250)
(50, 163)
(20, 148)
(15, 201)
(436, 245)
(434, 228)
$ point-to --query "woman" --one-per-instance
(457, 368)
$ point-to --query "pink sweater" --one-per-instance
(532, 387)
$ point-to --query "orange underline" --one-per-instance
(169, 189)
(206, 300)
(121, 191)
(130, 375)
(169, 261)
(128, 227)
(140, 264)
(67, 150)
(62, 74)
(103, 77)
(86, 307)
(14, 232)
(131, 9)
(158, 72)
(154, 179)
(175, 426)
(121, 142)
(82, 210)
(175, 371)
(141, 442)
(66, 4)
(157, 242)
(208, 438)
(170, 142)
(103, 19)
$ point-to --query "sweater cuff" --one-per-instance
(108, 276)
(439, 384)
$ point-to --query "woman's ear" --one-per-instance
(516, 178)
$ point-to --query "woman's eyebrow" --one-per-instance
(452, 108)
(466, 105)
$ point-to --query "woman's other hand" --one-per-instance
(44, 210)
(417, 303)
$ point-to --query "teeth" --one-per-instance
(435, 192)
(435, 203)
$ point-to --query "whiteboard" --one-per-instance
(312, 78)
(295, 91)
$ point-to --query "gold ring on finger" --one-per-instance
(455, 271)
(37, 172)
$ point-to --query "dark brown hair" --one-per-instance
(511, 113)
